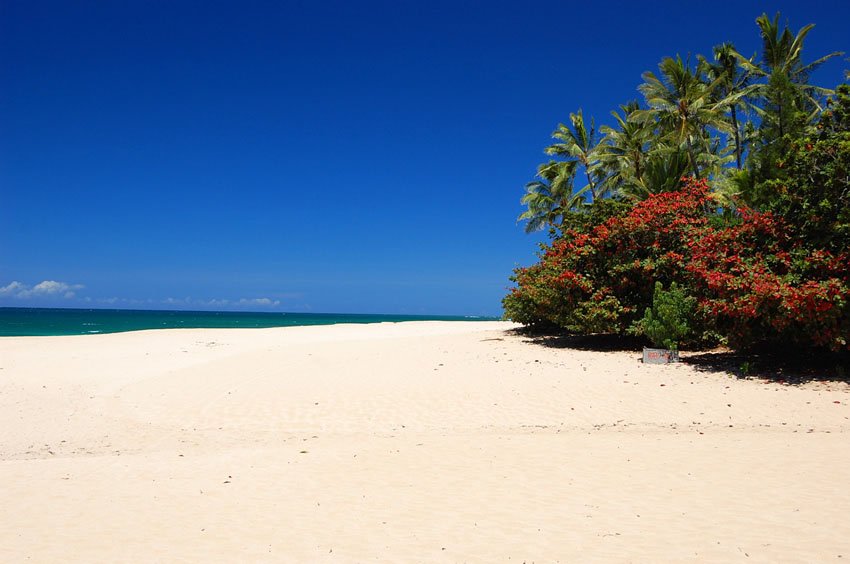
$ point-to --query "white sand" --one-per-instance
(411, 442)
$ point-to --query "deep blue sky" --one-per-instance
(311, 156)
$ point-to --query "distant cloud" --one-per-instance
(55, 290)
(13, 289)
(114, 300)
(222, 303)
(259, 301)
(47, 288)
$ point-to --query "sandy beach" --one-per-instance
(407, 442)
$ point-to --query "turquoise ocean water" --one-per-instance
(45, 321)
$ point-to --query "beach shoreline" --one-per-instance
(418, 441)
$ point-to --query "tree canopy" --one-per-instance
(727, 118)
(715, 209)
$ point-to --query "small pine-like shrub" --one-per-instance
(669, 321)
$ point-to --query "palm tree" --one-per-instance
(782, 55)
(684, 106)
(551, 196)
(733, 80)
(579, 143)
(787, 104)
(663, 171)
(623, 151)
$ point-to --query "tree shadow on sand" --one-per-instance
(601, 343)
(782, 366)
(777, 365)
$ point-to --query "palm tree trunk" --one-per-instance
(692, 158)
(590, 183)
(738, 150)
(638, 172)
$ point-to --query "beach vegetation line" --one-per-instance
(728, 185)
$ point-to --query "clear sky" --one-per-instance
(311, 156)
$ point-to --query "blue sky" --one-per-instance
(305, 156)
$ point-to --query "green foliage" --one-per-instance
(786, 104)
(684, 104)
(670, 319)
(664, 169)
(782, 55)
(783, 120)
(730, 118)
(623, 152)
(837, 117)
(551, 196)
(734, 87)
(578, 142)
(589, 217)
(763, 257)
(811, 188)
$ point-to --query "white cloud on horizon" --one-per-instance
(56, 290)
(225, 303)
(45, 288)
(12, 289)
(114, 300)
(259, 301)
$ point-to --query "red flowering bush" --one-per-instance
(758, 284)
(754, 280)
(783, 275)
(600, 277)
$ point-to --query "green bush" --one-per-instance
(670, 319)
(813, 193)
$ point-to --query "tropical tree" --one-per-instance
(550, 196)
(684, 107)
(782, 54)
(622, 152)
(695, 120)
(578, 142)
(787, 105)
(664, 169)
(733, 84)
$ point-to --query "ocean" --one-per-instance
(22, 322)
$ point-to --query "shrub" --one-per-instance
(599, 276)
(759, 284)
(813, 192)
(755, 279)
(782, 275)
(669, 321)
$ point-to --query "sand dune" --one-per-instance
(408, 442)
